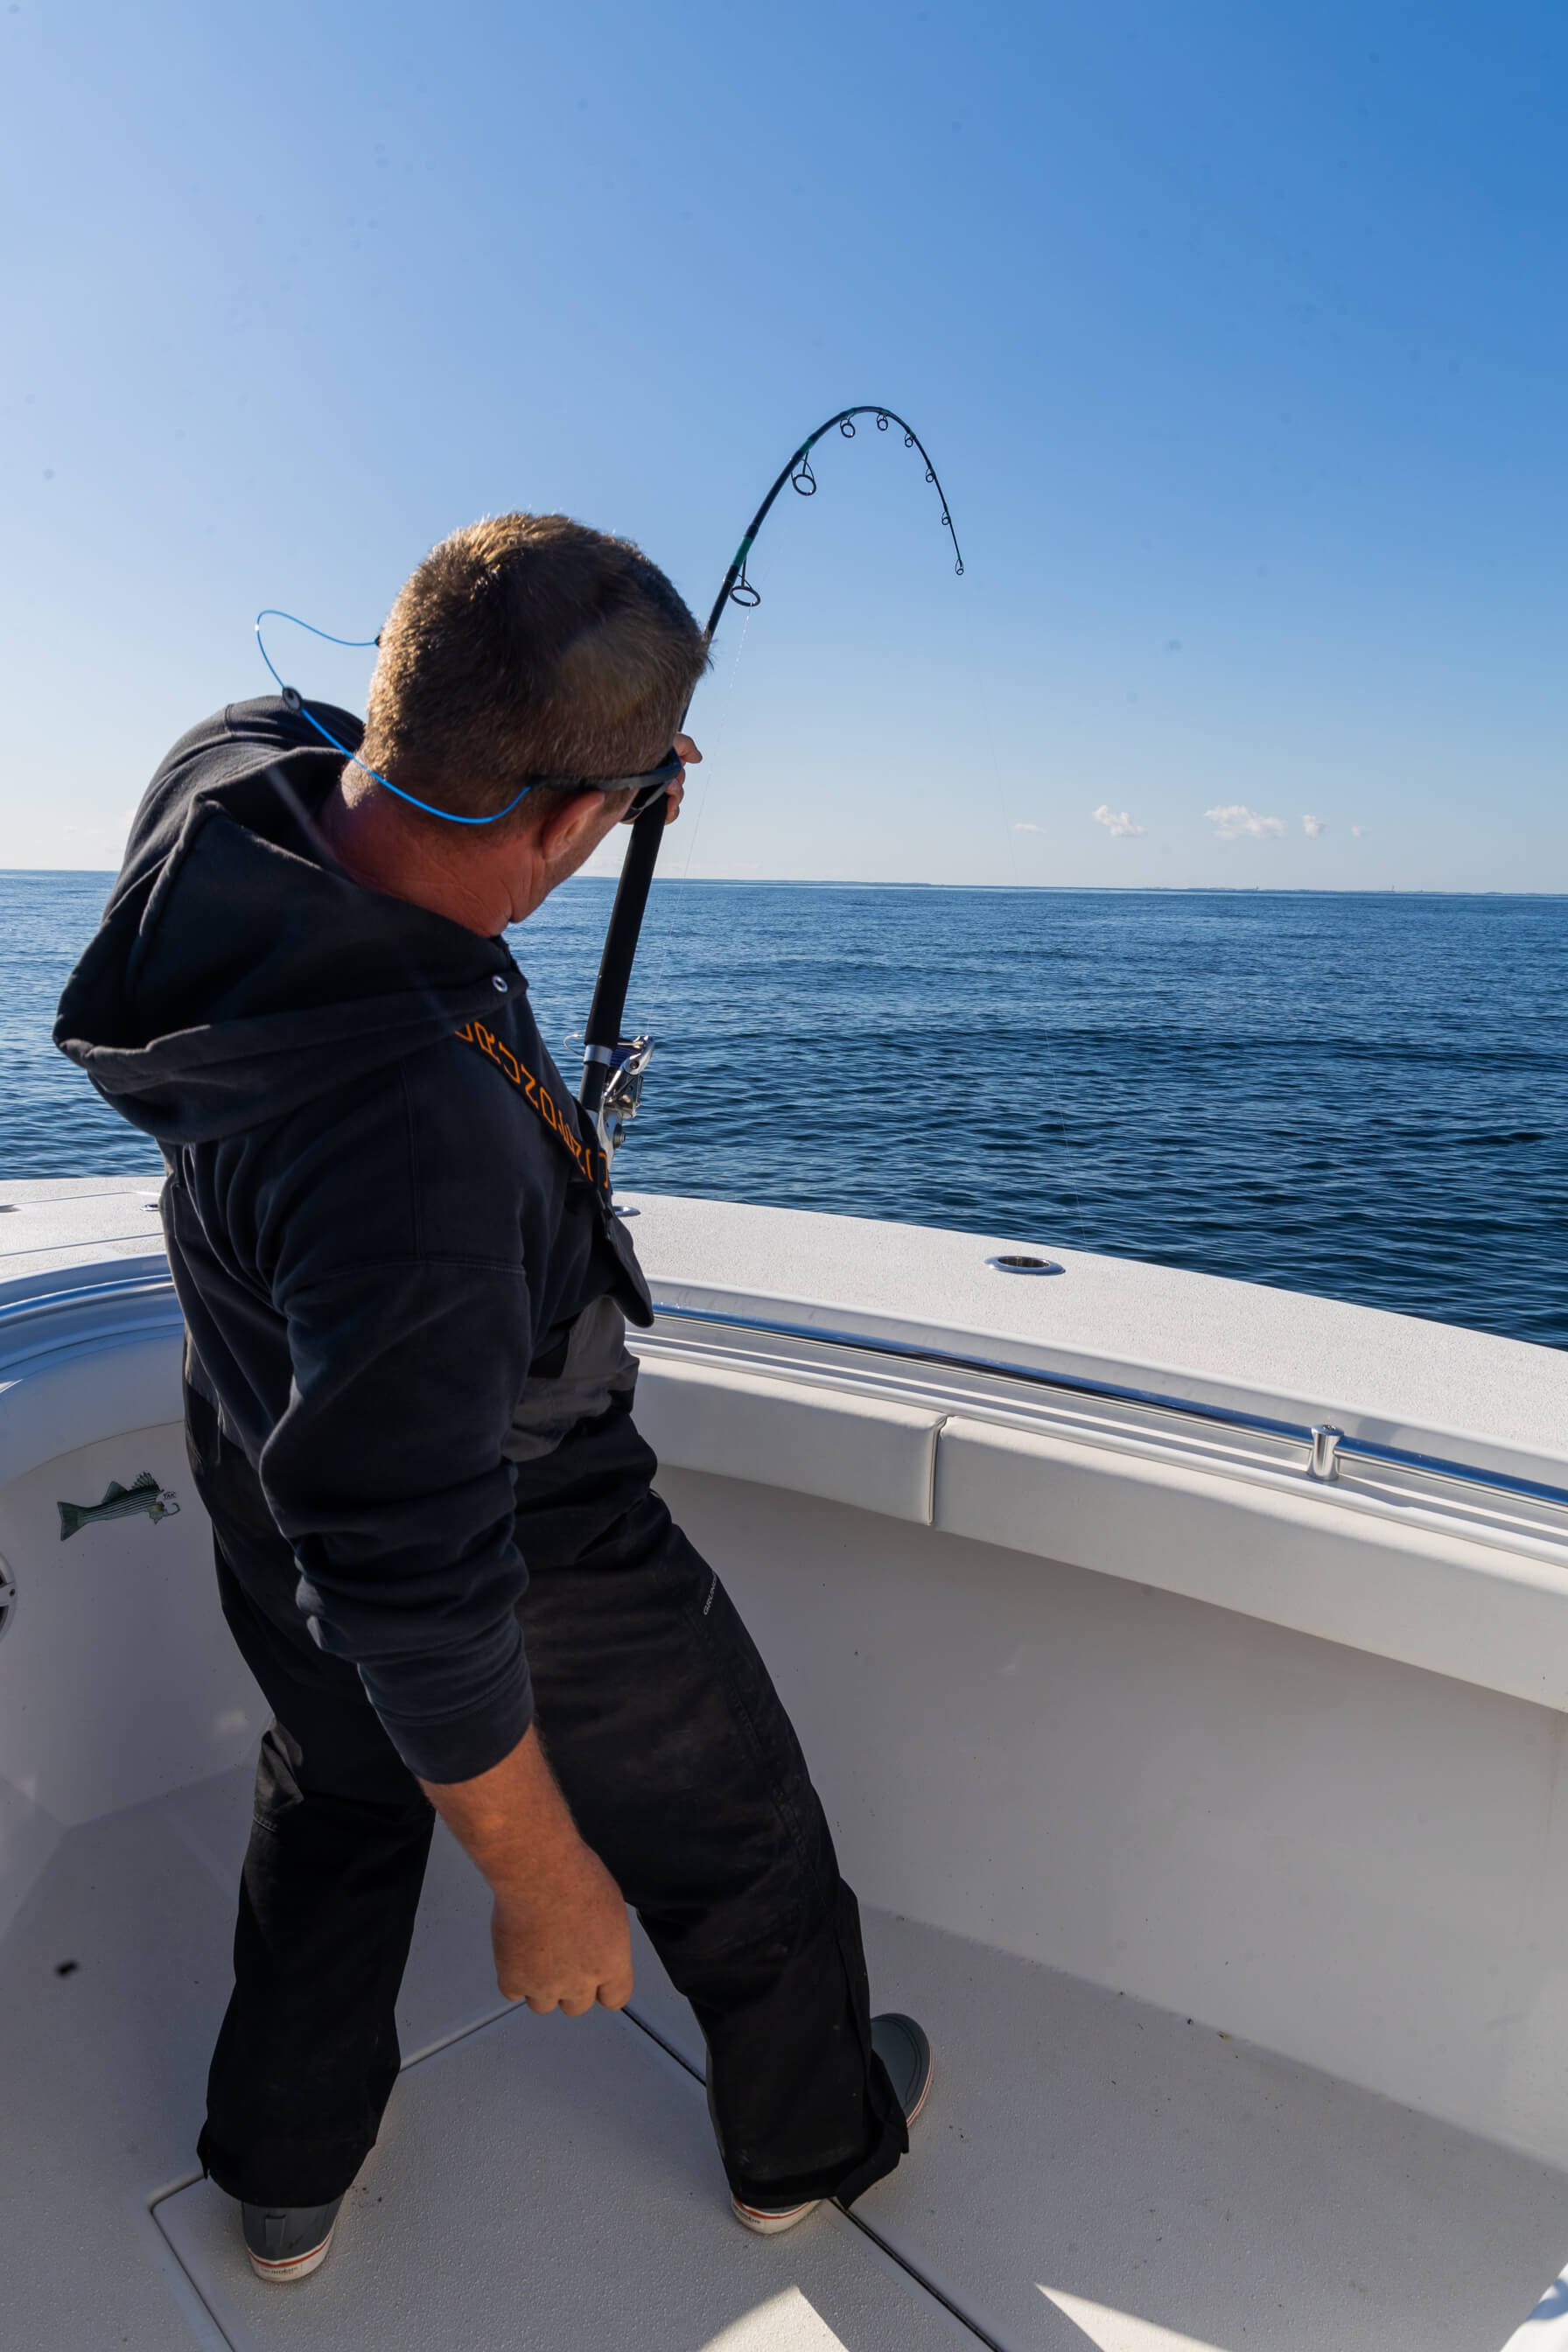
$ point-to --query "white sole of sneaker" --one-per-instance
(771, 2223)
(915, 2112)
(765, 2222)
(298, 2266)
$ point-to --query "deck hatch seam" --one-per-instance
(971, 2327)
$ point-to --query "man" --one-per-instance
(408, 1399)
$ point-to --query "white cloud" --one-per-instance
(1356, 832)
(1314, 824)
(1237, 822)
(1026, 828)
(1120, 827)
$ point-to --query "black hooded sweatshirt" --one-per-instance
(376, 1229)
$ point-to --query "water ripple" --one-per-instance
(1365, 1096)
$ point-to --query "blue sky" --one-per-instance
(1237, 332)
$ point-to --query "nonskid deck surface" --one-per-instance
(553, 2185)
(1091, 2172)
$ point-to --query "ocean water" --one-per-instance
(1361, 1096)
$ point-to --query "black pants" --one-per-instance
(683, 1774)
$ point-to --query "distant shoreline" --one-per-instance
(1012, 889)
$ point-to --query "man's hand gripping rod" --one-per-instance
(613, 1066)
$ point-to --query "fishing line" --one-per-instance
(1050, 1062)
(664, 956)
(722, 735)
(666, 946)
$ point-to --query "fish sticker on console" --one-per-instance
(120, 1503)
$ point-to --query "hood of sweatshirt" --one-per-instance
(238, 973)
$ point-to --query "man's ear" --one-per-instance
(563, 830)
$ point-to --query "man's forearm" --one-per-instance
(559, 1928)
(512, 1819)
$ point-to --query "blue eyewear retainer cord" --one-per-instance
(291, 697)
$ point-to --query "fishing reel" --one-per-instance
(622, 1090)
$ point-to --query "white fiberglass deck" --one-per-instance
(1091, 2171)
(1134, 1747)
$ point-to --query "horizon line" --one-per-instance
(1021, 889)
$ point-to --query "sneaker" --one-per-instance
(770, 2220)
(286, 2242)
(904, 2049)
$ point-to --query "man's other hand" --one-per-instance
(676, 793)
(563, 1942)
(559, 1928)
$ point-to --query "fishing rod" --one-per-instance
(613, 1066)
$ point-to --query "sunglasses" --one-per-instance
(646, 788)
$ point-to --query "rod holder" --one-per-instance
(1324, 1463)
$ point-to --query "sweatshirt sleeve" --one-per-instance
(386, 1472)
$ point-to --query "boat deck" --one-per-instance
(1312, 1823)
(1091, 2171)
